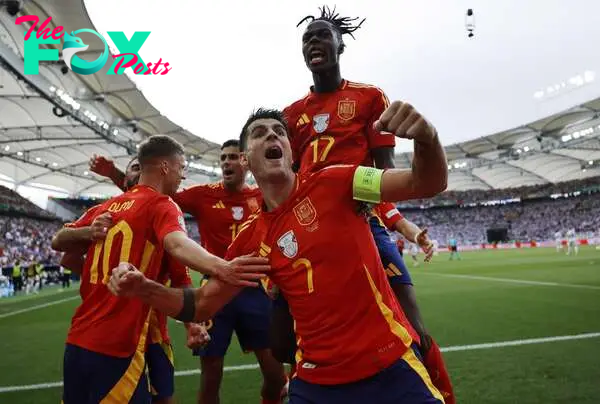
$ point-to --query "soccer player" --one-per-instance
(453, 243)
(220, 210)
(414, 252)
(159, 352)
(333, 124)
(572, 248)
(104, 354)
(355, 344)
(558, 239)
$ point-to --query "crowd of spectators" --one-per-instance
(12, 202)
(526, 221)
(26, 230)
(452, 198)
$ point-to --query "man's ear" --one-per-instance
(244, 160)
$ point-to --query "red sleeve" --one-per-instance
(188, 199)
(336, 179)
(375, 138)
(167, 218)
(295, 141)
(86, 219)
(178, 273)
(389, 214)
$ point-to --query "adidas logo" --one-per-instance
(219, 205)
(303, 120)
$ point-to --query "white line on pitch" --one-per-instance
(490, 345)
(517, 281)
(39, 306)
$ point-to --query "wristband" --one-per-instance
(188, 312)
(366, 185)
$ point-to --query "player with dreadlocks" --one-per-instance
(335, 124)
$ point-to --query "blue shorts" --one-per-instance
(90, 377)
(161, 370)
(392, 261)
(406, 381)
(249, 315)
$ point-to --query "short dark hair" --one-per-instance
(261, 113)
(158, 146)
(231, 143)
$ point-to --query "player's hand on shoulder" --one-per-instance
(100, 226)
(404, 121)
(126, 280)
(101, 165)
(425, 243)
(197, 336)
(243, 271)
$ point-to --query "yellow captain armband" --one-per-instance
(366, 185)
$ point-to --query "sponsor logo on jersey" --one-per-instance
(219, 205)
(320, 122)
(288, 245)
(303, 120)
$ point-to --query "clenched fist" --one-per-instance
(425, 243)
(125, 280)
(101, 165)
(100, 226)
(404, 121)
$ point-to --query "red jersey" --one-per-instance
(104, 323)
(324, 260)
(175, 275)
(388, 214)
(219, 213)
(337, 127)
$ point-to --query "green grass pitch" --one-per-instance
(489, 296)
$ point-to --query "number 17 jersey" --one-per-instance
(337, 127)
(104, 323)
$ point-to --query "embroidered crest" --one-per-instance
(346, 109)
(237, 212)
(252, 204)
(305, 212)
(288, 244)
(320, 122)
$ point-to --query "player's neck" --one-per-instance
(150, 181)
(327, 81)
(277, 192)
(233, 188)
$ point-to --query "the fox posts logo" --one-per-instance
(128, 57)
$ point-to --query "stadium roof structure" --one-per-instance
(558, 148)
(103, 114)
(50, 125)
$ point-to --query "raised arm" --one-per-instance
(106, 168)
(429, 173)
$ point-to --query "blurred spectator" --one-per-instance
(526, 221)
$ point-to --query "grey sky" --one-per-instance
(231, 56)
